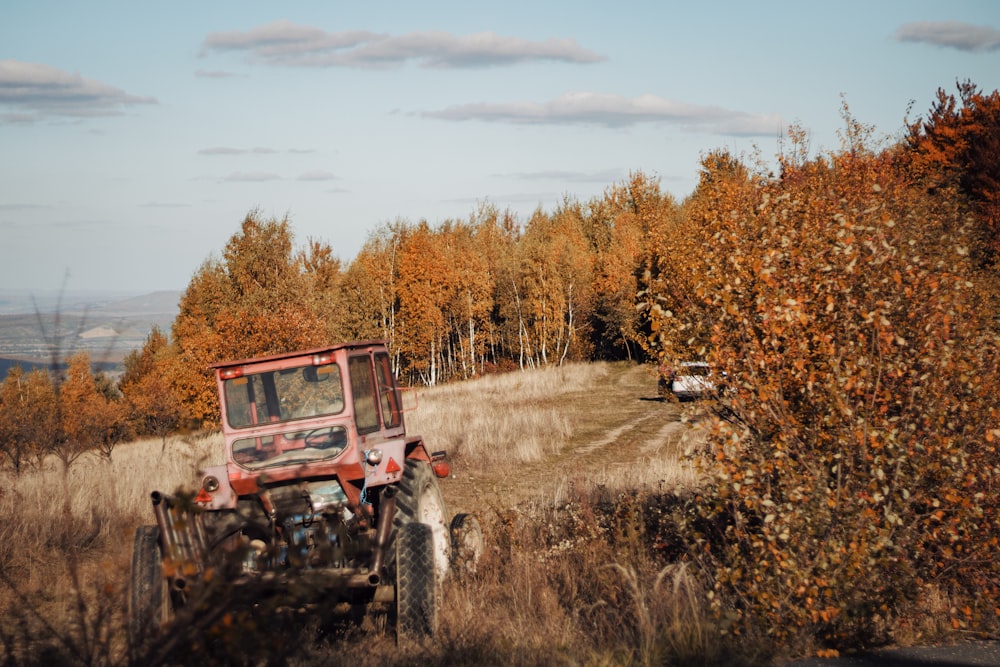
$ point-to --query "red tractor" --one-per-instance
(322, 493)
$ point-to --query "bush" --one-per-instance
(855, 466)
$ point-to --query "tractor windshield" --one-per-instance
(290, 447)
(284, 395)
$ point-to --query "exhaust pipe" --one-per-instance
(168, 539)
(187, 543)
(387, 510)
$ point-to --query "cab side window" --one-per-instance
(363, 389)
(392, 416)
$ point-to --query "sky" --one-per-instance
(135, 137)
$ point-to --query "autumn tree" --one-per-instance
(196, 341)
(677, 274)
(324, 276)
(425, 285)
(27, 416)
(258, 299)
(553, 287)
(370, 288)
(152, 403)
(495, 235)
(959, 142)
(622, 226)
(469, 300)
(87, 418)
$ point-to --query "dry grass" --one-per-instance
(119, 487)
(504, 419)
(96, 496)
(535, 436)
(553, 462)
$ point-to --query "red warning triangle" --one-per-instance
(392, 466)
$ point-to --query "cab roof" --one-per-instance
(352, 345)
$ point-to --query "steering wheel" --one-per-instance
(323, 438)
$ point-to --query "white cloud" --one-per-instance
(317, 175)
(17, 118)
(530, 198)
(616, 111)
(156, 204)
(36, 91)
(603, 176)
(257, 150)
(20, 207)
(213, 74)
(283, 38)
(953, 34)
(222, 150)
(251, 176)
(285, 43)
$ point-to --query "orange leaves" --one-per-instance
(957, 145)
(865, 376)
(826, 615)
(87, 418)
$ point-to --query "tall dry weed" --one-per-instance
(670, 622)
(103, 497)
(581, 583)
(65, 538)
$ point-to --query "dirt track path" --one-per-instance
(617, 425)
(965, 654)
(621, 424)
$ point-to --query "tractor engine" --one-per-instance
(314, 527)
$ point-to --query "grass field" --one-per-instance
(553, 461)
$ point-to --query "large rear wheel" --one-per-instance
(420, 501)
(416, 586)
(149, 597)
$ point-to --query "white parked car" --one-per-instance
(689, 380)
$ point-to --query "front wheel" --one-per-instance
(149, 596)
(466, 543)
(416, 586)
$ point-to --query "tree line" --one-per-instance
(633, 274)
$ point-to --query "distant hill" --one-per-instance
(23, 302)
(111, 367)
(108, 325)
